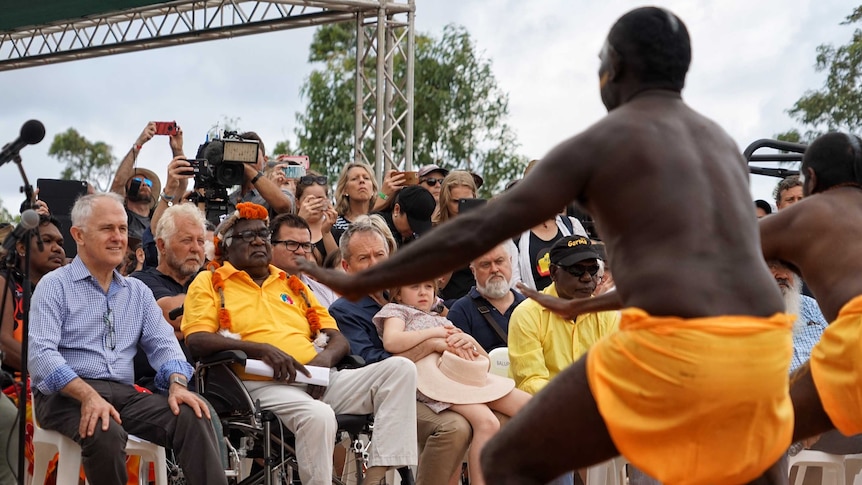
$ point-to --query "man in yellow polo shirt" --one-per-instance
(541, 343)
(250, 305)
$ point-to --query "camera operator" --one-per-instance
(257, 188)
(139, 187)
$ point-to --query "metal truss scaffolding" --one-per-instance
(384, 83)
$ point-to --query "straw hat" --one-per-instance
(452, 379)
(156, 189)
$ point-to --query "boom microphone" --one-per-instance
(32, 132)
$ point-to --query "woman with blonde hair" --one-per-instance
(355, 195)
(459, 184)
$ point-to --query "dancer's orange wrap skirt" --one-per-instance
(836, 367)
(695, 401)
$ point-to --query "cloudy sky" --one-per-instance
(751, 61)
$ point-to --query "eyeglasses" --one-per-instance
(579, 271)
(292, 246)
(147, 182)
(250, 236)
(431, 181)
(312, 179)
(110, 340)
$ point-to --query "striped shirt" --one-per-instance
(78, 330)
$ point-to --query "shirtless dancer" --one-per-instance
(690, 397)
(822, 237)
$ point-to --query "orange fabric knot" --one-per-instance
(213, 265)
(224, 319)
(298, 287)
(218, 282)
(250, 210)
(313, 320)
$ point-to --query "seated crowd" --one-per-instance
(95, 333)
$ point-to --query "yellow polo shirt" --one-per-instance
(270, 313)
(542, 343)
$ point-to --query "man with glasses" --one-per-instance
(86, 322)
(431, 179)
(291, 239)
(250, 305)
(485, 311)
(542, 343)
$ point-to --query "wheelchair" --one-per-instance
(256, 434)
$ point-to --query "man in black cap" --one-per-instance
(410, 216)
(542, 343)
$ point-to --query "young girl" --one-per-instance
(458, 379)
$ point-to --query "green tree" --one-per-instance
(837, 106)
(85, 160)
(6, 216)
(282, 148)
(459, 111)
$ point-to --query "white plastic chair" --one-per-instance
(832, 465)
(611, 472)
(46, 443)
(499, 358)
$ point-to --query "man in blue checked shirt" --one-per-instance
(86, 321)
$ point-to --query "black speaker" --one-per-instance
(60, 195)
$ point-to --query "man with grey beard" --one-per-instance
(179, 238)
(810, 322)
(485, 311)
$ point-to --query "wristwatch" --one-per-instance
(180, 380)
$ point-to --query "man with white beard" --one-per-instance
(485, 311)
(810, 322)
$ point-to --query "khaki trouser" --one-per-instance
(386, 389)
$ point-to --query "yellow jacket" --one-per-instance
(542, 343)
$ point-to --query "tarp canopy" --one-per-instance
(22, 14)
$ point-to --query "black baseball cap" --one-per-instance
(763, 205)
(572, 249)
(418, 205)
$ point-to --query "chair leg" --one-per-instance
(69, 465)
(43, 454)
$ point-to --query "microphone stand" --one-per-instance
(25, 334)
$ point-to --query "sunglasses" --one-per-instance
(312, 179)
(250, 236)
(431, 181)
(579, 271)
(147, 182)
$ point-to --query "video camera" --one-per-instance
(218, 165)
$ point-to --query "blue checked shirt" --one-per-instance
(806, 333)
(77, 330)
